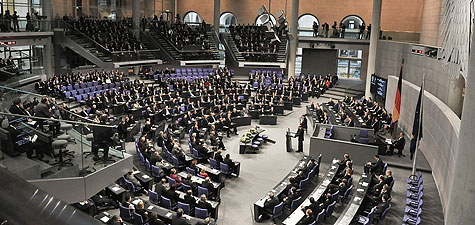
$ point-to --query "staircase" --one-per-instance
(231, 48)
(166, 45)
(86, 49)
(339, 93)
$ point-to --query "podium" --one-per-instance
(288, 140)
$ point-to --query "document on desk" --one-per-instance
(150, 207)
(115, 189)
(169, 215)
(146, 176)
(136, 201)
(35, 137)
(105, 219)
(32, 123)
(365, 184)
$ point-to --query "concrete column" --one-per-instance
(373, 44)
(136, 17)
(47, 11)
(48, 58)
(461, 200)
(294, 42)
(217, 14)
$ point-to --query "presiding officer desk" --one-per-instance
(280, 187)
(298, 213)
(352, 209)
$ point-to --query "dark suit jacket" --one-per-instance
(307, 220)
(180, 221)
(300, 134)
(42, 110)
(399, 144)
(160, 189)
(269, 204)
(204, 205)
(378, 167)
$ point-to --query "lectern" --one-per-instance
(288, 139)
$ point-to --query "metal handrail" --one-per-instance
(41, 96)
(87, 37)
(56, 120)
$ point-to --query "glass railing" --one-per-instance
(23, 25)
(50, 141)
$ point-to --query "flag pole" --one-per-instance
(419, 131)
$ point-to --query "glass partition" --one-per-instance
(41, 138)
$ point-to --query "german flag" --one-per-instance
(397, 100)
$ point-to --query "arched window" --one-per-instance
(305, 24)
(227, 19)
(192, 17)
(352, 22)
(263, 18)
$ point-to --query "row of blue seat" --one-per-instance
(413, 210)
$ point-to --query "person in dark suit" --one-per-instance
(294, 194)
(102, 200)
(270, 203)
(204, 204)
(342, 163)
(389, 178)
(309, 218)
(172, 195)
(208, 185)
(179, 219)
(115, 220)
(300, 134)
(375, 167)
(102, 139)
(130, 177)
(160, 187)
(154, 220)
(216, 140)
(231, 166)
(380, 208)
(188, 181)
(326, 201)
(314, 206)
(189, 199)
(141, 211)
(399, 145)
(303, 122)
(218, 157)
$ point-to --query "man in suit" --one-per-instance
(303, 122)
(380, 208)
(308, 219)
(399, 145)
(204, 204)
(375, 167)
(269, 204)
(179, 219)
(155, 158)
(342, 163)
(208, 185)
(172, 195)
(189, 199)
(188, 181)
(160, 187)
(314, 206)
(130, 177)
(300, 135)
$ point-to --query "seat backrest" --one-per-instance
(147, 165)
(153, 197)
(213, 163)
(319, 159)
(320, 217)
(386, 212)
(295, 203)
(330, 209)
(166, 202)
(138, 219)
(125, 213)
(171, 181)
(202, 190)
(201, 213)
(224, 168)
(185, 207)
(385, 168)
(335, 195)
(155, 171)
(303, 183)
(347, 192)
(190, 171)
(278, 209)
(186, 187)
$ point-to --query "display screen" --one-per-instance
(378, 86)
